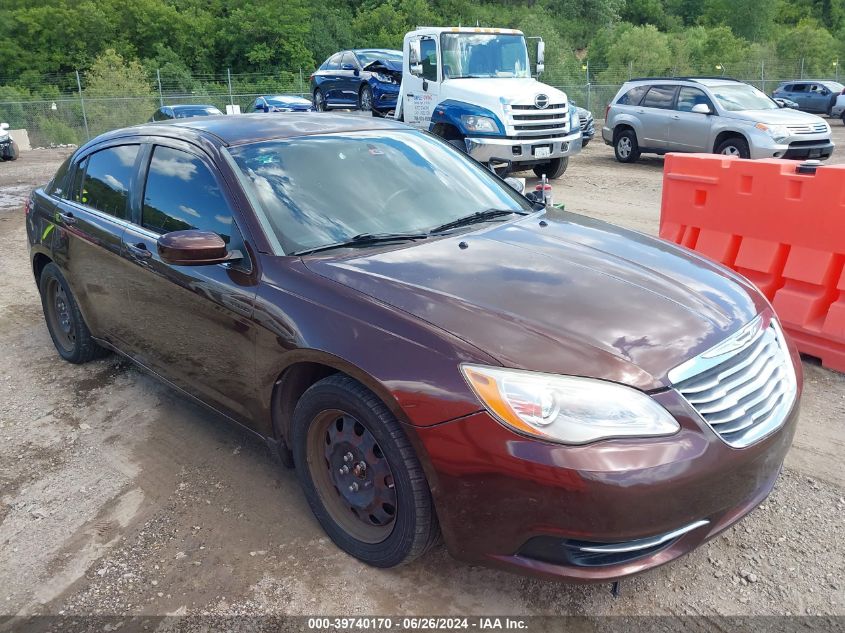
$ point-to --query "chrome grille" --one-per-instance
(807, 128)
(529, 121)
(744, 387)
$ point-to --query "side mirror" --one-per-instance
(347, 67)
(194, 248)
(413, 53)
(701, 108)
(416, 69)
(541, 56)
(266, 107)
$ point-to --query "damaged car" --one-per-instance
(8, 147)
(362, 79)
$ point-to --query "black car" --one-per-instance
(166, 113)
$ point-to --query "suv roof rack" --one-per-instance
(685, 78)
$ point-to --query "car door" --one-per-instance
(349, 78)
(691, 131)
(656, 112)
(422, 92)
(818, 98)
(800, 95)
(331, 79)
(92, 217)
(192, 324)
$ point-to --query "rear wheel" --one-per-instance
(553, 169)
(67, 328)
(319, 101)
(360, 474)
(734, 146)
(626, 148)
(365, 99)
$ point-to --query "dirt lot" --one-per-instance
(120, 497)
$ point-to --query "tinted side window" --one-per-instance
(334, 62)
(182, 194)
(57, 185)
(659, 97)
(107, 177)
(799, 88)
(633, 96)
(786, 88)
(689, 97)
(349, 58)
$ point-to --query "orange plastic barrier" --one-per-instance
(782, 230)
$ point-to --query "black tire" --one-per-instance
(625, 146)
(339, 407)
(734, 146)
(365, 99)
(584, 143)
(67, 328)
(319, 101)
(553, 169)
(843, 118)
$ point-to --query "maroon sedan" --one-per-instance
(430, 349)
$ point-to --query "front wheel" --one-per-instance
(365, 99)
(626, 148)
(360, 474)
(734, 146)
(553, 169)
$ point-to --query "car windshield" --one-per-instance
(367, 57)
(736, 97)
(186, 113)
(484, 55)
(315, 191)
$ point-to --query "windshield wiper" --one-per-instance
(474, 218)
(364, 239)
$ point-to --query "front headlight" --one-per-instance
(574, 119)
(779, 133)
(479, 123)
(385, 79)
(567, 409)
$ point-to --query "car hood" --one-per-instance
(384, 64)
(504, 89)
(781, 116)
(577, 296)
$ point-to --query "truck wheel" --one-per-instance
(365, 99)
(360, 474)
(553, 169)
(625, 147)
(734, 146)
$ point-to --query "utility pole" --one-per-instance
(82, 103)
(160, 95)
(229, 77)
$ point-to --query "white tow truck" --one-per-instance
(474, 88)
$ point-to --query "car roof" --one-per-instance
(809, 81)
(376, 50)
(704, 81)
(240, 129)
(191, 105)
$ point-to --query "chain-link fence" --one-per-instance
(71, 114)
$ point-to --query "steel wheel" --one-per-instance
(352, 476)
(59, 315)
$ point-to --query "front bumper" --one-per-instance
(384, 96)
(8, 150)
(520, 150)
(520, 504)
(796, 147)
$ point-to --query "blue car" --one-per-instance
(810, 95)
(280, 103)
(366, 79)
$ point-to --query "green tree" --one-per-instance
(641, 50)
(813, 44)
(111, 76)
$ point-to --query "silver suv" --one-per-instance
(717, 115)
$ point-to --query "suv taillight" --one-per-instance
(606, 111)
(27, 206)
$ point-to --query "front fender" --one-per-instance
(449, 112)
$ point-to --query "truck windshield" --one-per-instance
(484, 55)
(314, 191)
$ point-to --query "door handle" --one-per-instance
(67, 217)
(676, 117)
(139, 250)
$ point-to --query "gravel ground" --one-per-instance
(119, 497)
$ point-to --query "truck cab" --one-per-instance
(474, 88)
